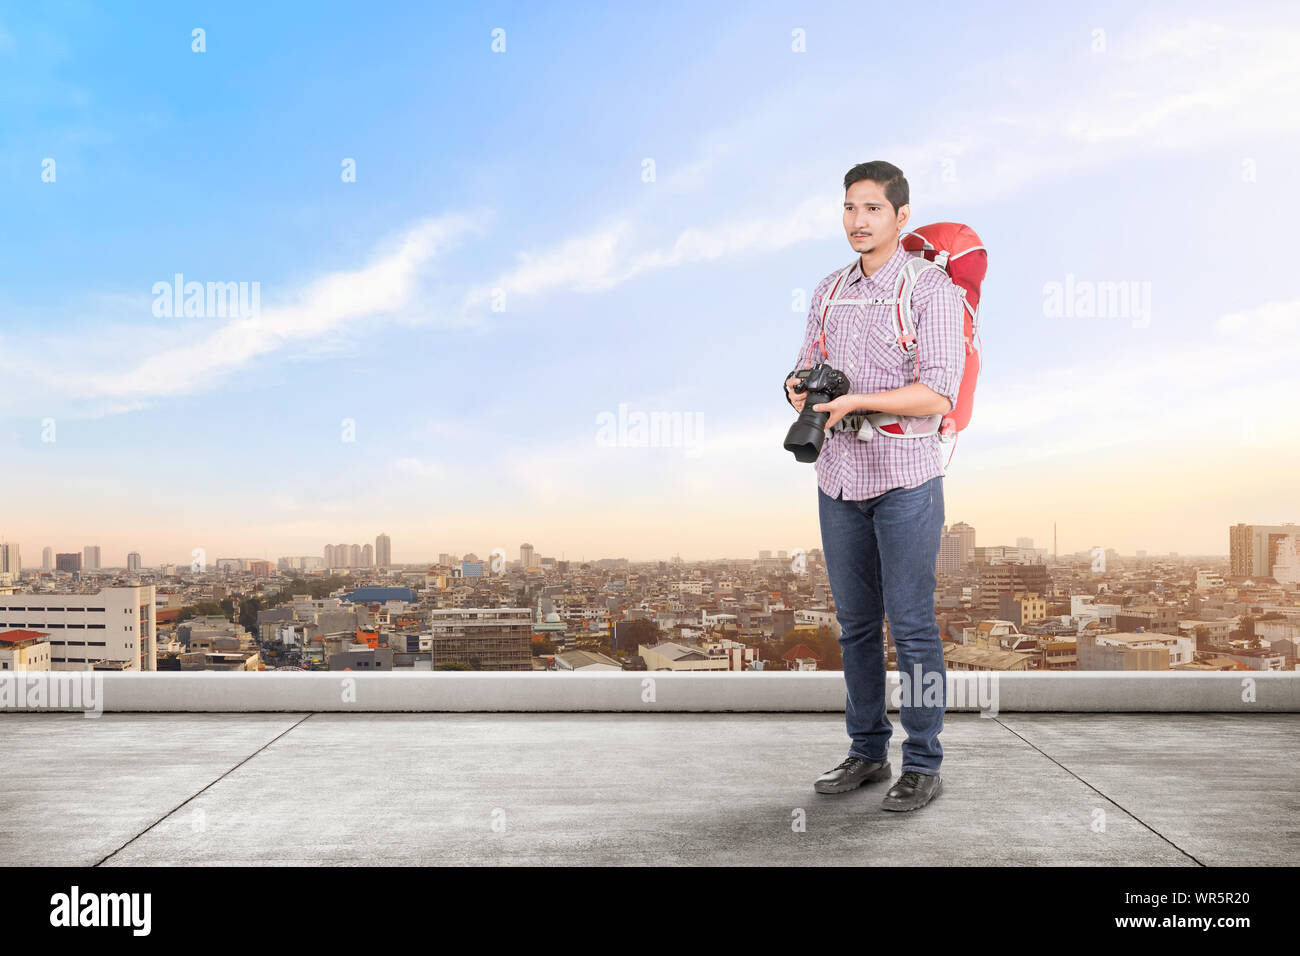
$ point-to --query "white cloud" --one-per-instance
(1259, 325)
(1191, 84)
(195, 359)
(1186, 397)
(608, 257)
(1183, 86)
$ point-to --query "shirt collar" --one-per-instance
(883, 278)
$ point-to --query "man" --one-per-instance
(880, 502)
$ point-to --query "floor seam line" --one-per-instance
(201, 791)
(1103, 794)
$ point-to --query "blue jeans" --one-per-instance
(880, 555)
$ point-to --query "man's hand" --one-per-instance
(797, 399)
(838, 408)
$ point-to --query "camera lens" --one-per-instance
(805, 437)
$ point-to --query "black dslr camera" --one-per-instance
(823, 384)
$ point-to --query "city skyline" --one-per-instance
(455, 295)
(483, 554)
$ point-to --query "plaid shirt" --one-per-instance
(860, 343)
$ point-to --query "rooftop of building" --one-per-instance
(1151, 769)
(20, 635)
(402, 789)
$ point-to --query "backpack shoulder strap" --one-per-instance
(904, 286)
(844, 274)
(830, 299)
(827, 302)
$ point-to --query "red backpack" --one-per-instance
(959, 252)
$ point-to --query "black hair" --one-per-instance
(889, 176)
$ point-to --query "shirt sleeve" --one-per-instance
(939, 315)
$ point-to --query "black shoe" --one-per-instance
(913, 790)
(851, 774)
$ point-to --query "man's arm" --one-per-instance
(812, 329)
(941, 341)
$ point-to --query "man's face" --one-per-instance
(870, 222)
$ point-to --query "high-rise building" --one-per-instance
(995, 578)
(967, 535)
(303, 562)
(950, 545)
(113, 629)
(1006, 554)
(490, 639)
(92, 557)
(9, 560)
(352, 555)
(383, 551)
(1286, 563)
(67, 561)
(1253, 548)
(526, 557)
(47, 559)
(133, 561)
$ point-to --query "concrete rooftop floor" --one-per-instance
(580, 788)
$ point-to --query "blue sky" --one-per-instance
(1159, 151)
